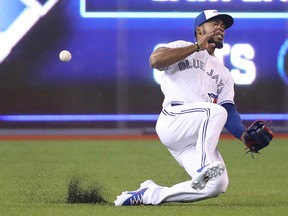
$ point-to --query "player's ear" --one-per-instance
(199, 30)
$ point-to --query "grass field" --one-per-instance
(35, 175)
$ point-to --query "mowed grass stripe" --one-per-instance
(35, 176)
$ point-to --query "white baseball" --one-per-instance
(65, 56)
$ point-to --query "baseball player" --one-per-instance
(198, 103)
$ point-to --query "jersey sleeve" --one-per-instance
(177, 44)
(227, 93)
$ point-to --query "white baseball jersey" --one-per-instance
(198, 78)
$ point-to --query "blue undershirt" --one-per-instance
(234, 123)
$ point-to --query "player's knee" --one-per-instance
(220, 187)
(220, 113)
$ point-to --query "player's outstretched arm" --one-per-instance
(163, 57)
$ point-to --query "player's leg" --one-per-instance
(204, 156)
(192, 138)
(209, 133)
(150, 193)
(182, 192)
(190, 127)
(185, 131)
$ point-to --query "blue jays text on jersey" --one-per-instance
(198, 64)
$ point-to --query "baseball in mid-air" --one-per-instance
(65, 56)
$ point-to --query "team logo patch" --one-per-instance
(213, 97)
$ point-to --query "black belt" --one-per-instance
(176, 104)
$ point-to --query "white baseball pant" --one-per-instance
(191, 133)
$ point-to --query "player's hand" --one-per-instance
(204, 41)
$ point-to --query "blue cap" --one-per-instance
(207, 15)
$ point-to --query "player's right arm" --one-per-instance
(163, 57)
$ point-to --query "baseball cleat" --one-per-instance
(132, 198)
(207, 173)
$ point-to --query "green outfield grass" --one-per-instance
(35, 175)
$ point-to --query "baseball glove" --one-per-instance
(258, 136)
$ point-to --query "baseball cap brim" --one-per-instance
(209, 15)
(227, 19)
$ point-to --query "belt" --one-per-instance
(177, 103)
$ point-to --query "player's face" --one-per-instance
(218, 39)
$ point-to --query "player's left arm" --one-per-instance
(234, 122)
(255, 137)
